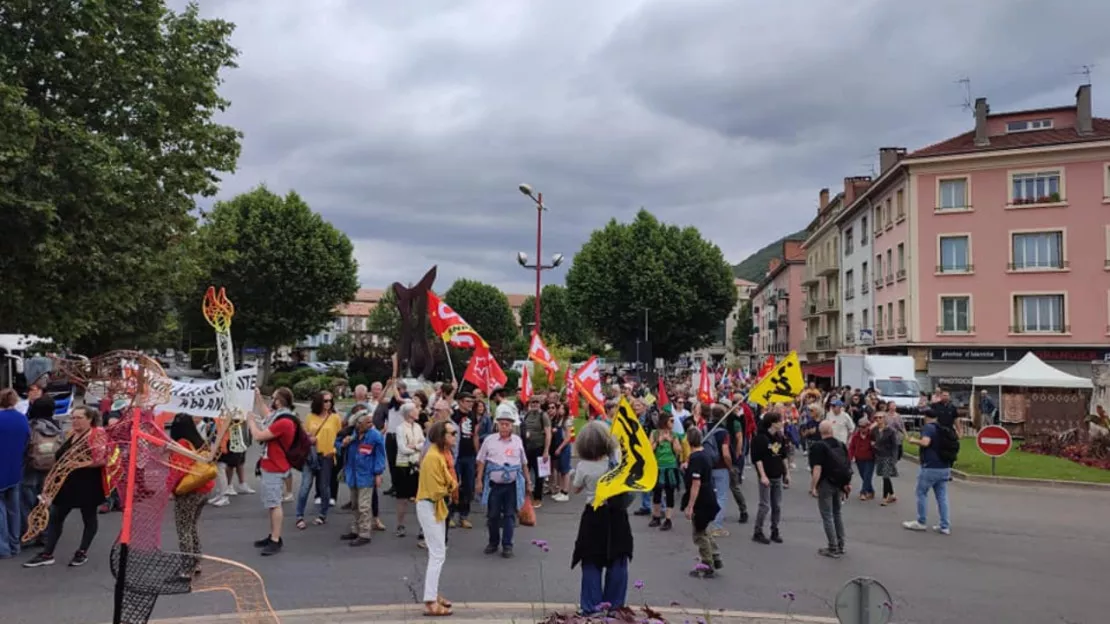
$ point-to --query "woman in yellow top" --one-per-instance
(437, 484)
(322, 426)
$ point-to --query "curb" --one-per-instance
(1021, 481)
(482, 612)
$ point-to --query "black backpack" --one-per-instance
(838, 470)
(946, 444)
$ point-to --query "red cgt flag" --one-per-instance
(767, 367)
(484, 371)
(572, 394)
(525, 386)
(450, 327)
(538, 353)
(587, 381)
(705, 387)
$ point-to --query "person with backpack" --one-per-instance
(830, 483)
(46, 439)
(940, 445)
(285, 447)
(15, 433)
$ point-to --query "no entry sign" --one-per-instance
(994, 441)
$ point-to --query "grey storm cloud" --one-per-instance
(409, 125)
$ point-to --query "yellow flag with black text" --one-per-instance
(638, 471)
(782, 385)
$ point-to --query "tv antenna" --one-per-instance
(965, 83)
(1085, 71)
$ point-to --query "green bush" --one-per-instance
(359, 379)
(278, 380)
(305, 388)
(301, 374)
(337, 371)
(513, 382)
(335, 383)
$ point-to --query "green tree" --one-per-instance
(558, 317)
(106, 137)
(742, 331)
(338, 350)
(384, 320)
(487, 310)
(679, 278)
(285, 268)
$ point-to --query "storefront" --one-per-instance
(963, 363)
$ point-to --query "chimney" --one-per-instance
(853, 187)
(822, 200)
(982, 109)
(889, 156)
(1083, 123)
(772, 265)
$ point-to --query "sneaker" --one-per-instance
(288, 498)
(222, 501)
(80, 558)
(507, 552)
(655, 522)
(421, 544)
(717, 563)
(537, 504)
(719, 533)
(104, 508)
(39, 560)
(490, 549)
(346, 537)
(377, 526)
(942, 531)
(642, 512)
(466, 524)
(700, 573)
(230, 492)
(759, 537)
(243, 488)
(272, 548)
(400, 532)
(561, 497)
(743, 517)
(914, 525)
(360, 541)
(316, 501)
(776, 537)
(831, 553)
(666, 525)
(453, 523)
(840, 550)
(264, 542)
(331, 502)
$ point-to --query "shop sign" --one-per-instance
(949, 382)
(968, 355)
(1061, 354)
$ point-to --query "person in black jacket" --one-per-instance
(940, 408)
(769, 452)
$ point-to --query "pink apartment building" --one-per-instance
(777, 304)
(994, 243)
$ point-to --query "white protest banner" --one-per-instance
(206, 398)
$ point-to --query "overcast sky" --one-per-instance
(409, 124)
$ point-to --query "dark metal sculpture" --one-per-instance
(413, 350)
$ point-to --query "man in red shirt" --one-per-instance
(278, 437)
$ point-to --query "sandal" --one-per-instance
(435, 609)
(301, 524)
(320, 521)
(443, 602)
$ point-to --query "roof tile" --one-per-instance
(965, 143)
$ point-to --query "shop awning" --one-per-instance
(824, 370)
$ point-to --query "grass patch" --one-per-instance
(1017, 463)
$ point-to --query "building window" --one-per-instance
(878, 220)
(1026, 126)
(952, 194)
(878, 321)
(1038, 250)
(955, 254)
(849, 242)
(849, 284)
(890, 320)
(901, 261)
(1039, 314)
(863, 228)
(886, 213)
(889, 266)
(955, 315)
(878, 270)
(863, 318)
(900, 205)
(1036, 188)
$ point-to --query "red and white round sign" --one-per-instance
(994, 441)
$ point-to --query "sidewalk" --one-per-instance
(491, 613)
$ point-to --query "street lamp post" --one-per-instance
(538, 266)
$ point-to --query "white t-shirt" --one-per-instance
(588, 473)
(23, 406)
(842, 425)
(395, 420)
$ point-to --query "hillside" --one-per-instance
(754, 267)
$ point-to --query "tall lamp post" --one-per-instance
(538, 266)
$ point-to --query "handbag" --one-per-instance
(527, 513)
(196, 478)
(312, 462)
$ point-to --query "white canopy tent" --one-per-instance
(1031, 372)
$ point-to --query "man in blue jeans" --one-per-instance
(15, 433)
(502, 481)
(934, 475)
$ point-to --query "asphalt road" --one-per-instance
(1016, 554)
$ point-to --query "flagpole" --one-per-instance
(450, 365)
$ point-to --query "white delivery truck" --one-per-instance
(892, 376)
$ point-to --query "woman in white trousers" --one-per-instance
(437, 485)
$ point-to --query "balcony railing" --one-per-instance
(772, 325)
(889, 279)
(810, 276)
(782, 293)
(828, 267)
(850, 337)
(878, 282)
(1021, 266)
(780, 347)
(901, 274)
(865, 287)
(1059, 329)
(849, 293)
(955, 269)
(830, 305)
(901, 331)
(810, 308)
(823, 343)
(941, 329)
(889, 332)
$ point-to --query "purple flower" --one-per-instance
(542, 544)
(604, 606)
(545, 548)
(788, 596)
(638, 584)
(701, 567)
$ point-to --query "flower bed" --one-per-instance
(1093, 452)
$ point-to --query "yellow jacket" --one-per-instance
(325, 437)
(437, 481)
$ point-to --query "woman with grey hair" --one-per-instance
(604, 535)
(410, 445)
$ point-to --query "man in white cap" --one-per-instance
(502, 482)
